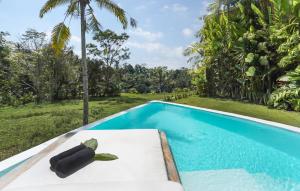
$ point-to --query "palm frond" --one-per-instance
(261, 16)
(92, 22)
(114, 9)
(60, 37)
(133, 22)
(51, 4)
(73, 9)
(241, 8)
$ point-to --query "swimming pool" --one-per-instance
(216, 152)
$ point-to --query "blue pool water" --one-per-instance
(215, 152)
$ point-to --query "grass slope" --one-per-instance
(24, 127)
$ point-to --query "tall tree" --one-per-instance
(110, 49)
(160, 77)
(61, 33)
(30, 48)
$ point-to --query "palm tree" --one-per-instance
(82, 9)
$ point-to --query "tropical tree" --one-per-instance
(110, 50)
(83, 9)
(245, 46)
(61, 74)
(29, 49)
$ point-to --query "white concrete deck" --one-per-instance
(110, 186)
(140, 160)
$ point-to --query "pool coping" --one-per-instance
(32, 151)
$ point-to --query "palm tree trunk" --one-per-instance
(84, 64)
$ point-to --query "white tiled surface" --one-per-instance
(140, 159)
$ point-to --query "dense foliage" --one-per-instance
(249, 50)
(32, 71)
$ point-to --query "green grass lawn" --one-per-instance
(26, 126)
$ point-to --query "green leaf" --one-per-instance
(241, 7)
(297, 9)
(261, 17)
(262, 46)
(249, 58)
(252, 29)
(92, 143)
(263, 60)
(257, 10)
(60, 37)
(251, 71)
(105, 157)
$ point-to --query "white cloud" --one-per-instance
(176, 7)
(187, 32)
(146, 35)
(75, 38)
(148, 46)
(149, 49)
(77, 52)
(48, 34)
(158, 54)
(157, 47)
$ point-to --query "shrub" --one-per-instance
(285, 98)
(27, 98)
(133, 91)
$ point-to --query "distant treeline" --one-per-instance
(31, 71)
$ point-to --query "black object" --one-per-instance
(74, 162)
(54, 160)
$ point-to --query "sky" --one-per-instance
(165, 27)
